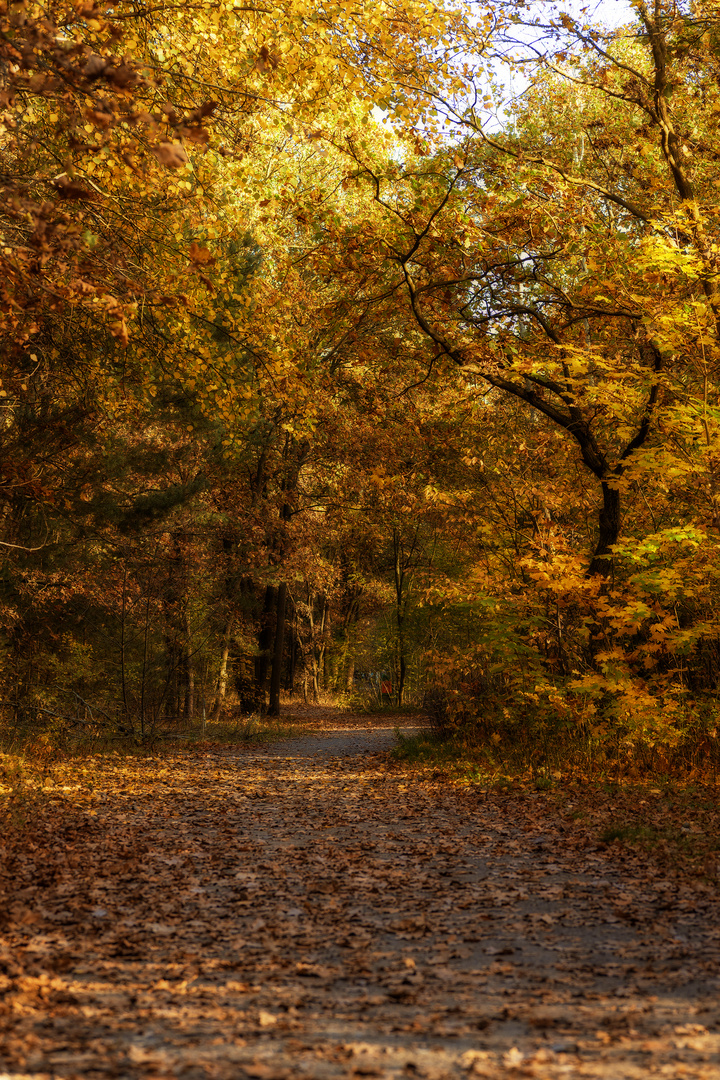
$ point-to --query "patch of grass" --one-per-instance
(543, 783)
(421, 748)
(371, 705)
(629, 833)
(250, 729)
(674, 819)
(677, 845)
(34, 749)
(451, 758)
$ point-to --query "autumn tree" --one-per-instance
(564, 258)
(158, 159)
(268, 359)
(548, 271)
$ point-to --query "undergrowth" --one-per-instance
(372, 704)
(500, 760)
(34, 766)
(29, 742)
(671, 812)
(24, 788)
(502, 742)
(246, 729)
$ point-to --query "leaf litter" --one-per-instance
(311, 911)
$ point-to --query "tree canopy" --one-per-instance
(329, 360)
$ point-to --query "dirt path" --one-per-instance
(304, 912)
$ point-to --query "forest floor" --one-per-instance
(311, 909)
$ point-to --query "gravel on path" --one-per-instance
(339, 742)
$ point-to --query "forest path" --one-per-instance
(297, 913)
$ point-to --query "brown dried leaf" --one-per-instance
(200, 255)
(170, 154)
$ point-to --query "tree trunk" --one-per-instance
(316, 678)
(324, 662)
(400, 603)
(266, 637)
(318, 644)
(274, 706)
(292, 665)
(402, 663)
(189, 665)
(122, 650)
(190, 701)
(223, 673)
(609, 521)
(188, 671)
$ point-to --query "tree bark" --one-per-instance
(265, 642)
(292, 664)
(318, 644)
(223, 673)
(609, 522)
(400, 569)
(189, 665)
(274, 706)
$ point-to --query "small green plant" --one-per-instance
(631, 833)
(543, 783)
(424, 748)
(370, 704)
